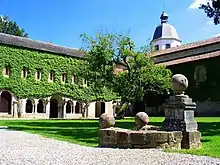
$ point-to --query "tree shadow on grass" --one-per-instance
(88, 131)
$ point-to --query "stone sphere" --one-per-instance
(179, 83)
(141, 119)
(106, 121)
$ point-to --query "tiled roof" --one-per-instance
(39, 45)
(191, 58)
(187, 46)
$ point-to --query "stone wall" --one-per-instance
(124, 138)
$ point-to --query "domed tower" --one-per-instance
(165, 35)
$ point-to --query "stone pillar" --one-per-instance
(73, 108)
(47, 106)
(179, 113)
(15, 109)
(64, 110)
(35, 106)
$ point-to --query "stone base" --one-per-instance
(124, 138)
(191, 140)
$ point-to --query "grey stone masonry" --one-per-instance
(179, 114)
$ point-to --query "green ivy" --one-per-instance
(19, 58)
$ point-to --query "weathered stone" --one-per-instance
(106, 121)
(147, 127)
(123, 138)
(191, 140)
(179, 83)
(141, 119)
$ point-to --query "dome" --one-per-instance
(165, 30)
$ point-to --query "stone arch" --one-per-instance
(200, 73)
(78, 107)
(40, 106)
(5, 102)
(53, 108)
(29, 106)
(99, 108)
(69, 106)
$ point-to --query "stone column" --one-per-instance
(179, 114)
(15, 109)
(73, 109)
(64, 110)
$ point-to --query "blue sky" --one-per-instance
(62, 21)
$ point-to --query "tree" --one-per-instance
(8, 26)
(140, 76)
(212, 9)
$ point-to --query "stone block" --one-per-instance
(123, 138)
(137, 137)
(191, 140)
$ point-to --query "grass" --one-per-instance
(85, 132)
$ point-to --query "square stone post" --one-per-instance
(179, 114)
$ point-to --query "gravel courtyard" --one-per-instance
(20, 148)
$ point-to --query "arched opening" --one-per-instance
(99, 108)
(40, 107)
(5, 102)
(29, 106)
(77, 107)
(53, 108)
(69, 107)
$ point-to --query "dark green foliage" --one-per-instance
(19, 58)
(212, 9)
(8, 26)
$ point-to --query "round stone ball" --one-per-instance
(141, 119)
(179, 83)
(106, 121)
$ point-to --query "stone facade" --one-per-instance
(51, 107)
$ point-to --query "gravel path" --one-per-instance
(20, 148)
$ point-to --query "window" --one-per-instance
(63, 78)
(156, 47)
(51, 77)
(200, 74)
(38, 75)
(24, 73)
(84, 82)
(73, 79)
(167, 46)
(76, 81)
(7, 71)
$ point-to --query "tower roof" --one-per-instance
(165, 30)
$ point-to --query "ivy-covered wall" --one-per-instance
(18, 58)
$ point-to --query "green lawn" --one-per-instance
(85, 132)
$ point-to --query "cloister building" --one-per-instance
(37, 78)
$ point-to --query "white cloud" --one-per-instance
(196, 4)
(210, 22)
(216, 35)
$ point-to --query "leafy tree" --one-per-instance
(212, 9)
(140, 76)
(8, 26)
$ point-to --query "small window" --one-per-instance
(73, 79)
(156, 47)
(51, 77)
(38, 75)
(7, 71)
(64, 78)
(167, 46)
(76, 80)
(24, 73)
(85, 82)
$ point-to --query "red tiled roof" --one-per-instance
(192, 58)
(187, 46)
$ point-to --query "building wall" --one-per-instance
(162, 43)
(205, 93)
